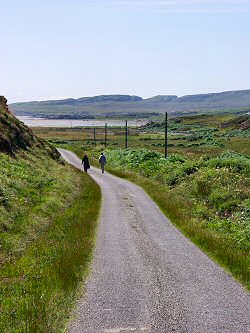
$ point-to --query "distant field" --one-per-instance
(190, 135)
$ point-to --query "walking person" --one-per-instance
(102, 161)
(85, 162)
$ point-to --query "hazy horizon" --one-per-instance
(70, 49)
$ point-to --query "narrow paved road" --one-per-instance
(147, 277)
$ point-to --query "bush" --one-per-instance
(234, 161)
(217, 184)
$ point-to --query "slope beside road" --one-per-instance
(147, 277)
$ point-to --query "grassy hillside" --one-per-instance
(14, 135)
(47, 229)
(115, 105)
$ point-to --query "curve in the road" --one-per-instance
(147, 277)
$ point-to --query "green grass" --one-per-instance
(48, 222)
(32, 187)
(208, 200)
(203, 187)
(192, 136)
(177, 208)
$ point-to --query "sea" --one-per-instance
(44, 122)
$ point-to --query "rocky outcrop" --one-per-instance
(3, 104)
(14, 135)
(242, 122)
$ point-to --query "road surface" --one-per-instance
(147, 277)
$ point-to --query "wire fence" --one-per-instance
(127, 137)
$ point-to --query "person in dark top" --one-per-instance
(85, 162)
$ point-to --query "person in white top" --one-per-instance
(102, 161)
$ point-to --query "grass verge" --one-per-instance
(38, 289)
(177, 209)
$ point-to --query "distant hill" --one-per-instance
(117, 105)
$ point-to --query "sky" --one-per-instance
(54, 49)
